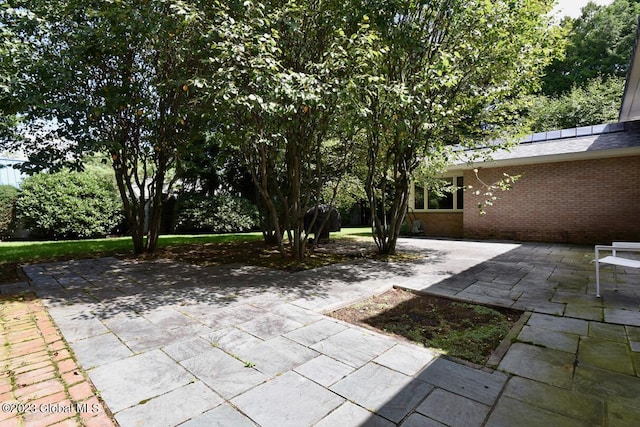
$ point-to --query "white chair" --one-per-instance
(615, 259)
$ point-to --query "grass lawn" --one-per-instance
(14, 254)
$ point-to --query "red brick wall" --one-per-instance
(583, 202)
(441, 224)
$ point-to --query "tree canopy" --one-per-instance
(110, 77)
(277, 91)
(585, 86)
(596, 103)
(445, 72)
(297, 93)
(600, 44)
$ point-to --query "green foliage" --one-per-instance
(281, 71)
(301, 92)
(472, 344)
(116, 78)
(68, 205)
(14, 58)
(222, 213)
(349, 191)
(600, 44)
(439, 73)
(8, 197)
(596, 103)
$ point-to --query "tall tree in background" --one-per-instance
(585, 86)
(596, 103)
(111, 78)
(446, 72)
(277, 90)
(600, 44)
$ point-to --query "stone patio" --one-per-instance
(168, 343)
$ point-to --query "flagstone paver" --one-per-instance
(407, 359)
(349, 415)
(288, 400)
(550, 339)
(324, 370)
(606, 354)
(167, 343)
(452, 409)
(541, 364)
(221, 416)
(353, 346)
(140, 377)
(172, 408)
(511, 412)
(388, 393)
(466, 381)
(571, 404)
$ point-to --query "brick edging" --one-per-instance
(41, 383)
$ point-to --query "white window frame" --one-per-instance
(412, 196)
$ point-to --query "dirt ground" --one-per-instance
(258, 253)
(466, 331)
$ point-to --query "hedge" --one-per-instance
(68, 205)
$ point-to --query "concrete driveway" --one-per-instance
(170, 344)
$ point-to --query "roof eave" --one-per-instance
(553, 158)
(630, 107)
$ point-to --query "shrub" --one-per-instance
(222, 213)
(68, 205)
(8, 197)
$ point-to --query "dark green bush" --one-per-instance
(222, 213)
(8, 197)
(68, 205)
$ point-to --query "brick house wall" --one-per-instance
(582, 202)
(441, 224)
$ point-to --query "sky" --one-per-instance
(573, 7)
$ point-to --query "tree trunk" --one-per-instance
(155, 209)
(134, 213)
(386, 225)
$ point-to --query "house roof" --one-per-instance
(589, 142)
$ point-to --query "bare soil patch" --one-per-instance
(467, 331)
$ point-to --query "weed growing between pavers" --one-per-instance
(467, 331)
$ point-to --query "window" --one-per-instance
(443, 200)
(460, 192)
(419, 197)
(447, 200)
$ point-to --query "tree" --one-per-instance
(600, 44)
(440, 73)
(281, 74)
(112, 78)
(14, 57)
(596, 103)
